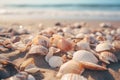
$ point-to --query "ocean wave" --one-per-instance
(62, 13)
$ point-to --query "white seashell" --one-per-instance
(80, 35)
(118, 31)
(83, 55)
(72, 76)
(55, 61)
(109, 38)
(30, 77)
(113, 32)
(103, 46)
(82, 45)
(98, 34)
(52, 50)
(108, 56)
(70, 67)
(84, 31)
(38, 49)
(105, 25)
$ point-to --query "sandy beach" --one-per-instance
(47, 73)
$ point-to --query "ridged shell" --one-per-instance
(55, 61)
(70, 67)
(83, 55)
(103, 46)
(72, 76)
(108, 56)
(41, 40)
(38, 49)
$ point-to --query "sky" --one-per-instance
(58, 1)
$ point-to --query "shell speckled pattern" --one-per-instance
(70, 67)
(41, 40)
(72, 76)
(38, 49)
(103, 47)
(55, 61)
(107, 56)
(83, 55)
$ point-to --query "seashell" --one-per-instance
(70, 67)
(19, 76)
(98, 34)
(65, 45)
(8, 69)
(113, 32)
(19, 45)
(109, 38)
(38, 49)
(116, 45)
(84, 31)
(71, 76)
(80, 35)
(55, 61)
(41, 40)
(105, 25)
(30, 77)
(100, 38)
(103, 47)
(52, 50)
(83, 55)
(118, 31)
(107, 56)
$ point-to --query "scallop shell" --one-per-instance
(38, 49)
(41, 40)
(103, 47)
(55, 61)
(83, 55)
(108, 56)
(70, 67)
(72, 76)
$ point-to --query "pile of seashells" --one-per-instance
(71, 48)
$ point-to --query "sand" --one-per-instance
(47, 73)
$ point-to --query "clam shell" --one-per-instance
(41, 40)
(70, 67)
(83, 55)
(38, 49)
(52, 50)
(30, 77)
(55, 61)
(108, 56)
(72, 76)
(103, 46)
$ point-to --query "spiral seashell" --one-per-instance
(71, 76)
(70, 67)
(41, 40)
(103, 47)
(108, 56)
(55, 61)
(83, 55)
(38, 49)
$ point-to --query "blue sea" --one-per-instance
(69, 9)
